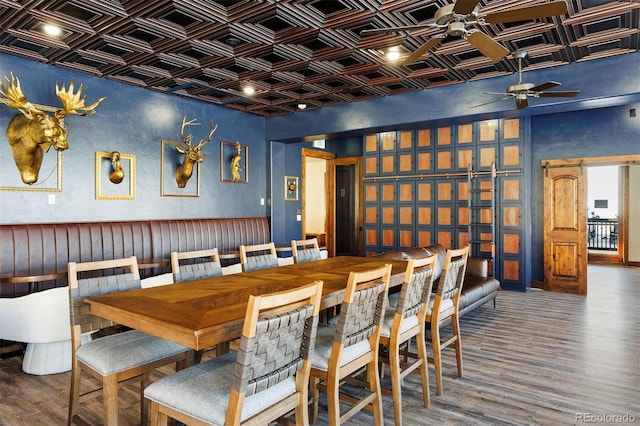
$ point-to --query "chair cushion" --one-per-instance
(324, 344)
(122, 351)
(202, 391)
(444, 305)
(387, 322)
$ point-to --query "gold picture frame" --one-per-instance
(171, 160)
(51, 164)
(291, 188)
(234, 162)
(108, 190)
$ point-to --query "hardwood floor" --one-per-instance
(539, 358)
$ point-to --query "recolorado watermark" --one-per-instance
(605, 418)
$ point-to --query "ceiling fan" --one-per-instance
(458, 20)
(523, 91)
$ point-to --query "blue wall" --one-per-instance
(133, 121)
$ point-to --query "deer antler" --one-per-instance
(203, 142)
(14, 98)
(72, 103)
(187, 139)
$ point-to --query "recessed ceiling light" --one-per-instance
(233, 41)
(249, 90)
(52, 30)
(302, 106)
(393, 54)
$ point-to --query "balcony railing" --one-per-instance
(602, 234)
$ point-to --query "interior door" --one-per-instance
(565, 245)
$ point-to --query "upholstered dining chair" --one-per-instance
(305, 250)
(265, 379)
(445, 304)
(258, 256)
(402, 324)
(197, 264)
(117, 358)
(350, 345)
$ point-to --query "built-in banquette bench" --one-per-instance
(40, 252)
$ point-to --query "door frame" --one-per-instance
(617, 160)
(328, 185)
(359, 196)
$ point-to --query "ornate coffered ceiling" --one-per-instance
(296, 51)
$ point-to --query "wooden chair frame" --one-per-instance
(449, 287)
(246, 249)
(177, 256)
(297, 247)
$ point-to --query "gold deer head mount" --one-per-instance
(192, 154)
(32, 132)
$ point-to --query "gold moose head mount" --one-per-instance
(192, 154)
(32, 132)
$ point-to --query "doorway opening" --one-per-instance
(603, 219)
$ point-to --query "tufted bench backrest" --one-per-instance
(35, 249)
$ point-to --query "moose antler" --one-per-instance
(14, 98)
(72, 103)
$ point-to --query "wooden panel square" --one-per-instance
(488, 130)
(444, 191)
(445, 216)
(486, 247)
(424, 215)
(465, 158)
(424, 161)
(511, 189)
(463, 239)
(485, 186)
(370, 192)
(371, 143)
(371, 237)
(511, 270)
(406, 191)
(406, 238)
(387, 141)
(487, 156)
(406, 215)
(463, 216)
(512, 128)
(388, 237)
(485, 215)
(511, 155)
(444, 136)
(444, 160)
(405, 162)
(511, 243)
(463, 190)
(465, 133)
(371, 215)
(511, 216)
(406, 139)
(388, 191)
(424, 191)
(424, 138)
(388, 215)
(424, 238)
(565, 255)
(371, 165)
(445, 238)
(388, 163)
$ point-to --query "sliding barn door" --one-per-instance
(565, 245)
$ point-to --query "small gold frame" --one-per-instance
(107, 190)
(227, 151)
(171, 160)
(47, 164)
(291, 188)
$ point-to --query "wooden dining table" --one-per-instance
(207, 312)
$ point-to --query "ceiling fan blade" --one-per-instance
(544, 86)
(565, 94)
(522, 103)
(487, 46)
(465, 7)
(553, 8)
(491, 102)
(376, 31)
(430, 44)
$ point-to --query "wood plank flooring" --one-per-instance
(539, 358)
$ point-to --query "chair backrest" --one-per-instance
(115, 275)
(415, 291)
(305, 250)
(197, 264)
(452, 277)
(277, 340)
(361, 311)
(258, 256)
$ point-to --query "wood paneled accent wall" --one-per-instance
(417, 190)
